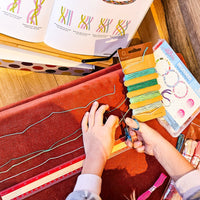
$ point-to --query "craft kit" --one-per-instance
(140, 78)
(44, 132)
(179, 88)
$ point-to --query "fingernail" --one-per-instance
(128, 119)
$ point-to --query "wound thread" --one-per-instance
(142, 85)
(139, 74)
(146, 108)
(140, 79)
(149, 95)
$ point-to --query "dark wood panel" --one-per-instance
(183, 19)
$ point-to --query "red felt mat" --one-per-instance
(124, 173)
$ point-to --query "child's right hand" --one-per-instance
(145, 139)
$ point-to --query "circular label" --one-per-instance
(163, 66)
(180, 90)
(171, 79)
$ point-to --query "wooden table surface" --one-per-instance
(183, 21)
(182, 18)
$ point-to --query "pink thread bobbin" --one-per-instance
(189, 149)
(196, 157)
(157, 184)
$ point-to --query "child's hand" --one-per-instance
(145, 139)
(151, 142)
(98, 138)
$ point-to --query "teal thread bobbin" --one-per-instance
(139, 74)
(142, 85)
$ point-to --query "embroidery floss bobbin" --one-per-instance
(196, 157)
(138, 65)
(189, 149)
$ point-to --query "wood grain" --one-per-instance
(16, 85)
(154, 27)
(183, 19)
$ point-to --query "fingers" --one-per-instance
(138, 145)
(129, 143)
(132, 134)
(112, 121)
(95, 117)
(93, 110)
(131, 123)
(144, 128)
(99, 115)
(140, 149)
(84, 123)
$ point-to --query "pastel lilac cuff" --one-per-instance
(188, 184)
(88, 182)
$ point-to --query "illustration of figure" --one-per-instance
(66, 16)
(16, 4)
(32, 17)
(104, 25)
(121, 27)
(85, 22)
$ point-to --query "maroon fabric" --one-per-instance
(123, 173)
(63, 87)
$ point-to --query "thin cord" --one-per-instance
(52, 147)
(118, 105)
(58, 112)
(58, 140)
(47, 150)
(53, 158)
(123, 117)
(142, 60)
(44, 151)
(38, 151)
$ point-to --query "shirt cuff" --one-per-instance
(188, 184)
(88, 182)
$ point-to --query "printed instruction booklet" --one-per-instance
(90, 27)
(179, 88)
